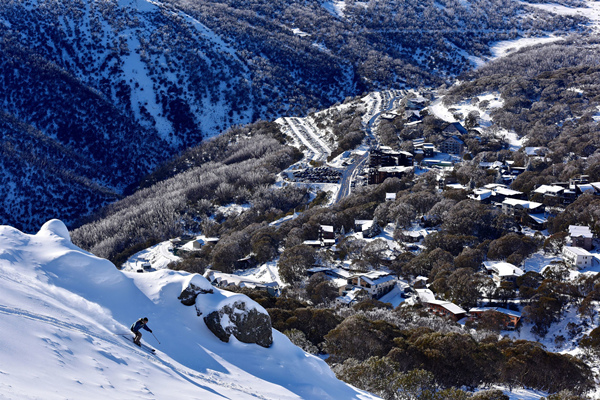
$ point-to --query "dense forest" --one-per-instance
(90, 75)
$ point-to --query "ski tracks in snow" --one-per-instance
(202, 381)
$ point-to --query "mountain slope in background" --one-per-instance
(62, 311)
(118, 87)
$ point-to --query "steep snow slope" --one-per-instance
(61, 313)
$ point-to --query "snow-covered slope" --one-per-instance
(62, 311)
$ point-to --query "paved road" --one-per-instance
(349, 174)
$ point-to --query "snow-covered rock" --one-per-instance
(247, 324)
(196, 285)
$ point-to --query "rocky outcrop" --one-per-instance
(246, 324)
(197, 285)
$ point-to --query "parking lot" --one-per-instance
(318, 175)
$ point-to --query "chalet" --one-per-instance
(412, 116)
(537, 221)
(375, 283)
(446, 309)
(581, 236)
(512, 320)
(515, 171)
(313, 243)
(326, 235)
(390, 197)
(197, 243)
(502, 193)
(452, 145)
(502, 271)
(350, 295)
(483, 196)
(368, 227)
(390, 116)
(577, 257)
(454, 128)
(413, 236)
(512, 206)
(496, 194)
(561, 193)
(334, 273)
(362, 224)
(496, 165)
(416, 103)
(440, 307)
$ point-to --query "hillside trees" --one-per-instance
(294, 262)
(156, 211)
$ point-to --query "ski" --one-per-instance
(143, 346)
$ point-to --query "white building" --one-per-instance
(509, 206)
(503, 271)
(376, 283)
(577, 257)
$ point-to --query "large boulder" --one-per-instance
(243, 320)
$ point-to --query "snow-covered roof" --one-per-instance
(498, 309)
(349, 297)
(539, 218)
(578, 251)
(312, 242)
(491, 165)
(315, 270)
(586, 188)
(523, 203)
(502, 268)
(342, 272)
(453, 308)
(580, 231)
(535, 151)
(495, 186)
(378, 280)
(552, 189)
(507, 191)
(390, 196)
(327, 228)
(425, 295)
(481, 194)
(415, 233)
(456, 186)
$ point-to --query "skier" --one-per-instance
(135, 328)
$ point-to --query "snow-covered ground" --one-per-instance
(62, 313)
(591, 12)
(158, 256)
(485, 104)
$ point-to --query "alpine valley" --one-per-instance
(313, 199)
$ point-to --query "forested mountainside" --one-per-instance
(545, 95)
(119, 87)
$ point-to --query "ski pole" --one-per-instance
(155, 337)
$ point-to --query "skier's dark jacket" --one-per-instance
(139, 324)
